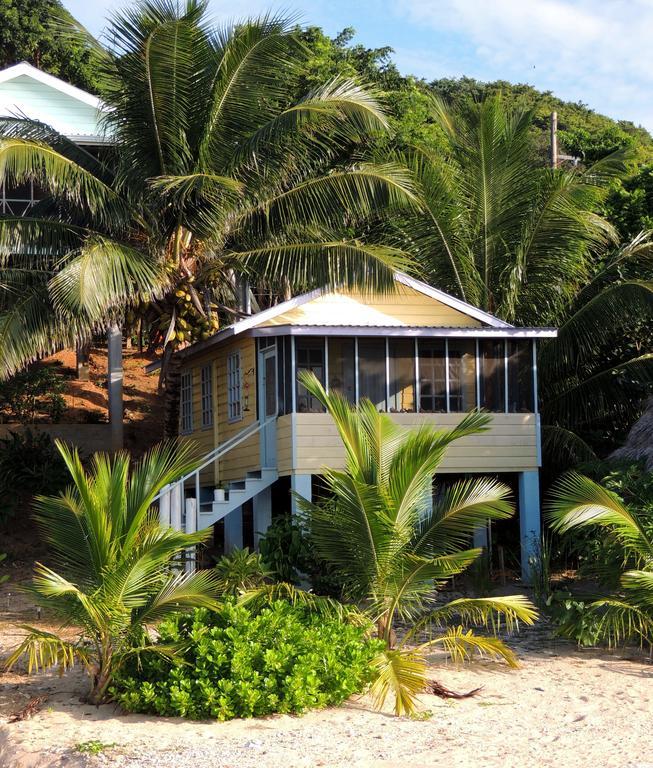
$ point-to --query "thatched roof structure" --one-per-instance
(639, 443)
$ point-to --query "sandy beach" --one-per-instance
(563, 707)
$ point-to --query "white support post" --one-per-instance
(114, 385)
(530, 525)
(164, 507)
(262, 509)
(233, 530)
(191, 527)
(176, 496)
(300, 485)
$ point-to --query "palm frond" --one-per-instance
(462, 645)
(45, 650)
(402, 673)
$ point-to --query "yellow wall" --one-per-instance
(245, 456)
(510, 445)
(284, 444)
(403, 307)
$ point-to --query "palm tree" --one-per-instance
(115, 565)
(213, 170)
(594, 376)
(524, 242)
(394, 550)
(498, 230)
(578, 502)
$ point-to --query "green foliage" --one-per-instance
(219, 166)
(240, 571)
(28, 32)
(577, 502)
(5, 576)
(288, 549)
(574, 617)
(31, 393)
(243, 663)
(29, 465)
(92, 747)
(284, 549)
(394, 546)
(115, 565)
(630, 204)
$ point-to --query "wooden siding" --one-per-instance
(39, 101)
(284, 444)
(245, 456)
(405, 307)
(510, 445)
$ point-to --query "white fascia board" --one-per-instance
(451, 301)
(410, 332)
(10, 73)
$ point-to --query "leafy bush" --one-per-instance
(288, 551)
(31, 392)
(239, 571)
(29, 465)
(574, 618)
(241, 662)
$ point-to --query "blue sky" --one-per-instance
(595, 51)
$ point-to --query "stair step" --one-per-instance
(254, 474)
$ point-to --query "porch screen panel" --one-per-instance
(371, 371)
(342, 371)
(432, 376)
(493, 382)
(520, 377)
(462, 375)
(309, 352)
(402, 375)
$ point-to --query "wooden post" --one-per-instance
(554, 139)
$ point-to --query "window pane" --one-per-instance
(207, 396)
(462, 375)
(402, 375)
(371, 371)
(287, 374)
(310, 357)
(432, 382)
(186, 402)
(520, 377)
(234, 410)
(493, 392)
(270, 385)
(342, 375)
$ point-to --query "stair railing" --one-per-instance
(171, 497)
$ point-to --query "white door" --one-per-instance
(268, 405)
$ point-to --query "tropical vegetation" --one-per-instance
(115, 571)
(214, 168)
(241, 661)
(393, 550)
(576, 503)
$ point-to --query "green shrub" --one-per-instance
(32, 392)
(238, 662)
(240, 571)
(29, 465)
(574, 618)
(289, 553)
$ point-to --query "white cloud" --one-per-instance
(597, 51)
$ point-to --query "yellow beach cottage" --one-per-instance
(417, 353)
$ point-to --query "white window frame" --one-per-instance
(234, 387)
(206, 379)
(186, 403)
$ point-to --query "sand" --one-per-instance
(563, 707)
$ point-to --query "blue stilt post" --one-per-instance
(302, 485)
(233, 530)
(262, 509)
(530, 525)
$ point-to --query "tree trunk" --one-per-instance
(82, 353)
(114, 386)
(171, 376)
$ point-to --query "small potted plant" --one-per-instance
(219, 492)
